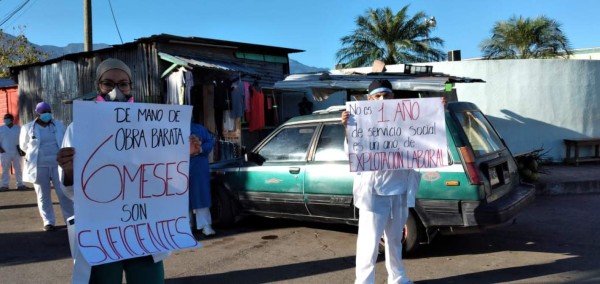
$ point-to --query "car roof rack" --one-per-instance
(330, 109)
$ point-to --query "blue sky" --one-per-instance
(315, 26)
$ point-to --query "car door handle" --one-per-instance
(294, 170)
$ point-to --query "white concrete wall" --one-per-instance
(534, 103)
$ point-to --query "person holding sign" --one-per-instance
(113, 82)
(382, 198)
(40, 140)
(200, 199)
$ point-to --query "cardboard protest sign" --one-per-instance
(396, 134)
(131, 179)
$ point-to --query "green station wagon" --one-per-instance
(301, 171)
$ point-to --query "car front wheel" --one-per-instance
(222, 207)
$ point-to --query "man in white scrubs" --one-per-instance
(382, 198)
(9, 154)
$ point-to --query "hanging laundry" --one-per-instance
(222, 95)
(188, 81)
(257, 112)
(174, 87)
(228, 121)
(221, 103)
(237, 98)
(247, 100)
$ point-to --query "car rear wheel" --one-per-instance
(410, 240)
(412, 231)
(222, 208)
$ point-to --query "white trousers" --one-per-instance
(388, 219)
(44, 195)
(8, 159)
(203, 217)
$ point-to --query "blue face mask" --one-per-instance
(46, 117)
(7, 121)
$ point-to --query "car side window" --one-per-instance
(331, 144)
(479, 132)
(290, 144)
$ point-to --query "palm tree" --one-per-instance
(391, 38)
(522, 38)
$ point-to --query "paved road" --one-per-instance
(555, 240)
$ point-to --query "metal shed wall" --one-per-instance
(8, 101)
(72, 78)
(270, 72)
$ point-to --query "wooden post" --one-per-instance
(87, 25)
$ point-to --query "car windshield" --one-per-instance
(481, 134)
(290, 144)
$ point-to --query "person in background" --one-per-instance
(113, 83)
(40, 140)
(10, 153)
(383, 198)
(305, 106)
(200, 198)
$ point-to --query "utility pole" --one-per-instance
(87, 25)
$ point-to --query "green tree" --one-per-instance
(522, 38)
(16, 51)
(391, 38)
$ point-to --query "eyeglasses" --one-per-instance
(123, 86)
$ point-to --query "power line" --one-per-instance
(10, 15)
(23, 12)
(115, 20)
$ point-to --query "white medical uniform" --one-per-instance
(41, 145)
(9, 140)
(383, 198)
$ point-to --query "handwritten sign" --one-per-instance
(131, 179)
(396, 134)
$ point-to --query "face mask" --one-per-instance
(7, 121)
(46, 117)
(116, 95)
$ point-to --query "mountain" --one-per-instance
(57, 51)
(297, 67)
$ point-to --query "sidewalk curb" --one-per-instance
(563, 188)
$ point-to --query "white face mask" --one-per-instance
(116, 95)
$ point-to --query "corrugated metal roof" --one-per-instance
(192, 62)
(242, 46)
(431, 82)
(239, 46)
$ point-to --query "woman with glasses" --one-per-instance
(113, 83)
(113, 79)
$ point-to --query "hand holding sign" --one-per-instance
(195, 145)
(65, 158)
